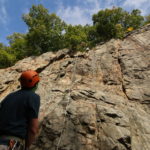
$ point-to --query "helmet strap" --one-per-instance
(35, 87)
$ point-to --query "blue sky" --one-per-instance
(71, 11)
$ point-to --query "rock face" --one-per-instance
(97, 100)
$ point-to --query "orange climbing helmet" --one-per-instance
(29, 79)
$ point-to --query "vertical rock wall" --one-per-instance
(97, 100)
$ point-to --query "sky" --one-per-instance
(71, 11)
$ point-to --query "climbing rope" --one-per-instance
(73, 78)
(93, 69)
(65, 115)
(50, 97)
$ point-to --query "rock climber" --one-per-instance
(19, 114)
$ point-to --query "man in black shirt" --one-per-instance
(19, 114)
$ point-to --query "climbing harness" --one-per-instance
(12, 144)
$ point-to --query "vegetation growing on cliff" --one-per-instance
(47, 32)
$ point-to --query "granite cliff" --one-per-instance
(96, 100)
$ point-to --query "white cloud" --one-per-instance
(81, 14)
(3, 12)
(143, 5)
(73, 15)
(137, 3)
(95, 6)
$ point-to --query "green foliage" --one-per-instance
(18, 45)
(134, 19)
(6, 59)
(113, 23)
(105, 22)
(76, 37)
(147, 19)
(93, 36)
(45, 30)
(119, 30)
(1, 45)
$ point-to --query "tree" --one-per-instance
(1, 46)
(18, 45)
(147, 19)
(134, 19)
(105, 22)
(113, 23)
(76, 37)
(119, 31)
(6, 59)
(45, 30)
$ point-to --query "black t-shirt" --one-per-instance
(16, 110)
